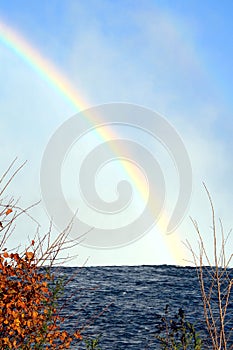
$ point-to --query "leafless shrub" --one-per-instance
(215, 279)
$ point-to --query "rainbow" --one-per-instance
(46, 70)
(58, 81)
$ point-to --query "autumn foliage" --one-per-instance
(28, 317)
(29, 313)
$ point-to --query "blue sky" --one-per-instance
(173, 57)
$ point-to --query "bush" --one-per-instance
(174, 332)
(29, 313)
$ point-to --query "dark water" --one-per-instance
(133, 297)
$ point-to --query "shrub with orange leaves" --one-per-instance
(29, 318)
(28, 315)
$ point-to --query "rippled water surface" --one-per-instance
(132, 299)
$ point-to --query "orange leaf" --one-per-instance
(8, 211)
(29, 255)
(78, 335)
